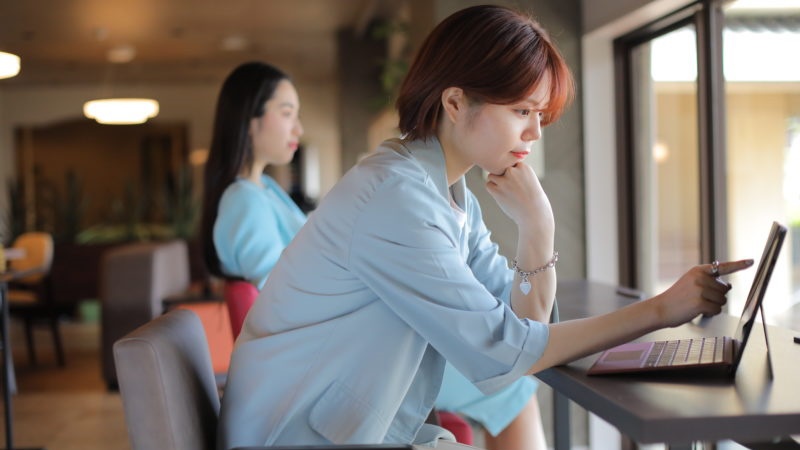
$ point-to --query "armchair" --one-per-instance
(30, 298)
(167, 384)
(135, 279)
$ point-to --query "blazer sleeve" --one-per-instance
(489, 266)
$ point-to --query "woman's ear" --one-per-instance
(453, 102)
(253, 128)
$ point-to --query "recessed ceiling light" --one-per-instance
(100, 34)
(9, 65)
(234, 43)
(121, 54)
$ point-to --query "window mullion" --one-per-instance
(711, 131)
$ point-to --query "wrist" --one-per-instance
(534, 249)
(525, 274)
(658, 313)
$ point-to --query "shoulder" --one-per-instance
(391, 159)
(268, 182)
(388, 172)
(241, 188)
(244, 201)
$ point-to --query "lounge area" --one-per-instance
(663, 161)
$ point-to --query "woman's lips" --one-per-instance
(520, 155)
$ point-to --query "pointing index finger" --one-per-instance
(729, 267)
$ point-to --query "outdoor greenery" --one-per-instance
(395, 65)
(14, 217)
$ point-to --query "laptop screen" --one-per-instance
(759, 286)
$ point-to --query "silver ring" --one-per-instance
(715, 268)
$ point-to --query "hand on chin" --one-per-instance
(502, 171)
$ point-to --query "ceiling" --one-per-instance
(175, 41)
(66, 42)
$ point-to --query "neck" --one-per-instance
(455, 165)
(253, 173)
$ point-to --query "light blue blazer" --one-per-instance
(254, 224)
(347, 340)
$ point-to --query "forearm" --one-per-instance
(575, 339)
(698, 291)
(535, 250)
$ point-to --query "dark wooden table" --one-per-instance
(679, 410)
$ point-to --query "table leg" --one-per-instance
(561, 421)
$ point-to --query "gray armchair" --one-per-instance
(169, 395)
(167, 384)
(134, 281)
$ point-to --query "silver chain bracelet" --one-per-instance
(525, 284)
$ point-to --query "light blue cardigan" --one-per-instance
(253, 226)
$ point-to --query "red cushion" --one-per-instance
(457, 425)
(239, 296)
(218, 332)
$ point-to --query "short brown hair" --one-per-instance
(495, 54)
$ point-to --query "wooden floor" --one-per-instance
(65, 408)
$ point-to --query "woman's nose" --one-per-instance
(533, 132)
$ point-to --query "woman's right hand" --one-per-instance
(520, 195)
(698, 291)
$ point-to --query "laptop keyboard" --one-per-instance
(686, 351)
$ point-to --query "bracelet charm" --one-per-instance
(525, 284)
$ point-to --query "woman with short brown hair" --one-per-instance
(395, 272)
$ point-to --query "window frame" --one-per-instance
(708, 20)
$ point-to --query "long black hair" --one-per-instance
(243, 97)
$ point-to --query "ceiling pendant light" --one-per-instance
(121, 111)
(9, 65)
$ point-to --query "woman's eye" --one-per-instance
(524, 112)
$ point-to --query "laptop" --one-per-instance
(708, 353)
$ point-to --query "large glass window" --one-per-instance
(666, 158)
(762, 94)
(661, 188)
(687, 186)
(708, 135)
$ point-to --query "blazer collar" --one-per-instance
(430, 155)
